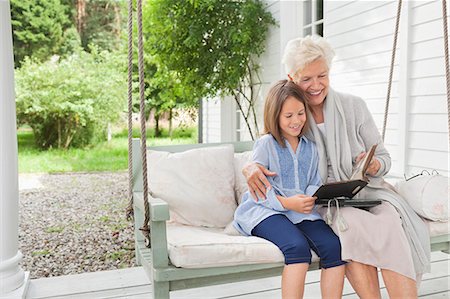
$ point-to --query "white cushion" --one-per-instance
(428, 195)
(197, 184)
(199, 247)
(240, 160)
(437, 228)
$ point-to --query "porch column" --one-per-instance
(12, 277)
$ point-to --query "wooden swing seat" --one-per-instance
(165, 276)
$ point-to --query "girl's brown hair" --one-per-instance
(275, 99)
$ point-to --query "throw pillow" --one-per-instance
(428, 195)
(197, 184)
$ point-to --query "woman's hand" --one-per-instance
(374, 165)
(300, 203)
(257, 182)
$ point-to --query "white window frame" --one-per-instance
(315, 22)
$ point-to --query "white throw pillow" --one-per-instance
(428, 195)
(240, 160)
(197, 184)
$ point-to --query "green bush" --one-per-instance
(69, 102)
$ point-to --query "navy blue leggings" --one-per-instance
(297, 240)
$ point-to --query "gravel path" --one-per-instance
(74, 223)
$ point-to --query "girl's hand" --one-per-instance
(300, 203)
(256, 179)
(374, 165)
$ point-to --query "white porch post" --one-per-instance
(12, 277)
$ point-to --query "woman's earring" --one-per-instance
(290, 78)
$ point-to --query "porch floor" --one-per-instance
(133, 283)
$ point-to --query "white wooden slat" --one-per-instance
(365, 62)
(272, 5)
(434, 286)
(420, 3)
(272, 45)
(428, 141)
(237, 289)
(130, 292)
(370, 91)
(428, 86)
(392, 123)
(337, 11)
(443, 295)
(425, 13)
(427, 49)
(428, 104)
(383, 11)
(428, 159)
(429, 123)
(231, 289)
(87, 282)
(439, 268)
(363, 32)
(365, 76)
(272, 51)
(427, 67)
(427, 31)
(330, 6)
(376, 106)
(367, 47)
(272, 73)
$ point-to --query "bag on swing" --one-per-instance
(427, 194)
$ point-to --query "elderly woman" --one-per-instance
(389, 236)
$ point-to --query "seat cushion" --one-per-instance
(438, 228)
(197, 184)
(200, 247)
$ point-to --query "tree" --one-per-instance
(100, 22)
(68, 103)
(163, 92)
(38, 28)
(211, 46)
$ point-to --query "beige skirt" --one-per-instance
(375, 238)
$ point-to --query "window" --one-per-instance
(313, 17)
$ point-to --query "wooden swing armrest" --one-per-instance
(159, 209)
(157, 256)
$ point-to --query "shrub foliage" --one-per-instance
(69, 102)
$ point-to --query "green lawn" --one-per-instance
(106, 156)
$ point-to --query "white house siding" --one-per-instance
(211, 120)
(219, 117)
(428, 129)
(361, 33)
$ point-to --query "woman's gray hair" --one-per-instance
(300, 52)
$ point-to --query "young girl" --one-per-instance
(287, 216)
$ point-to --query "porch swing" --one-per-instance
(199, 252)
